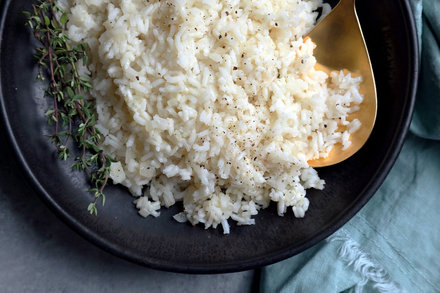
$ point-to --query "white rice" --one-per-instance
(213, 103)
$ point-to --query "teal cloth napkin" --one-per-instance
(393, 243)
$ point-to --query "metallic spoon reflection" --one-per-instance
(340, 45)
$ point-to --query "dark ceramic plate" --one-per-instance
(162, 243)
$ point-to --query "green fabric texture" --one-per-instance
(426, 121)
(393, 243)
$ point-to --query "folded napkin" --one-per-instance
(426, 121)
(393, 243)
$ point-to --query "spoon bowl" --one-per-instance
(340, 45)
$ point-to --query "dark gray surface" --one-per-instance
(39, 253)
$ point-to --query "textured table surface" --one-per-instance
(39, 253)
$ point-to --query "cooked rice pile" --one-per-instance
(213, 103)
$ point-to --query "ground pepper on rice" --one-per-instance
(213, 103)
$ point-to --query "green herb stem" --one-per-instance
(73, 112)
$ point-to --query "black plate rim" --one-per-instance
(386, 165)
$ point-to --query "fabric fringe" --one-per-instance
(370, 271)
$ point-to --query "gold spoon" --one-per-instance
(340, 45)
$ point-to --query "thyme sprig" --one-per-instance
(73, 113)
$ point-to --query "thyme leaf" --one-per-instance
(73, 113)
